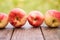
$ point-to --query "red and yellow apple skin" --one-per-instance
(3, 20)
(52, 18)
(17, 17)
(35, 18)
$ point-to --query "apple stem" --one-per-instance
(0, 21)
(16, 18)
(35, 19)
(53, 21)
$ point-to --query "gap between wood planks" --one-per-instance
(24, 33)
(42, 32)
(12, 34)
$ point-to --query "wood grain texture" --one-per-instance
(51, 33)
(5, 34)
(27, 34)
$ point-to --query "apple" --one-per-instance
(35, 18)
(52, 18)
(3, 20)
(17, 17)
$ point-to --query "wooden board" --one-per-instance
(27, 34)
(51, 33)
(5, 34)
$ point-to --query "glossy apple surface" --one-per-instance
(52, 18)
(17, 17)
(35, 18)
(3, 20)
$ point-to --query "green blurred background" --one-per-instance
(29, 5)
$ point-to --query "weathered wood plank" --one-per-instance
(5, 34)
(51, 33)
(27, 34)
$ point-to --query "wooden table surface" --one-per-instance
(40, 33)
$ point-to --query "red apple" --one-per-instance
(17, 17)
(52, 18)
(3, 20)
(35, 18)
